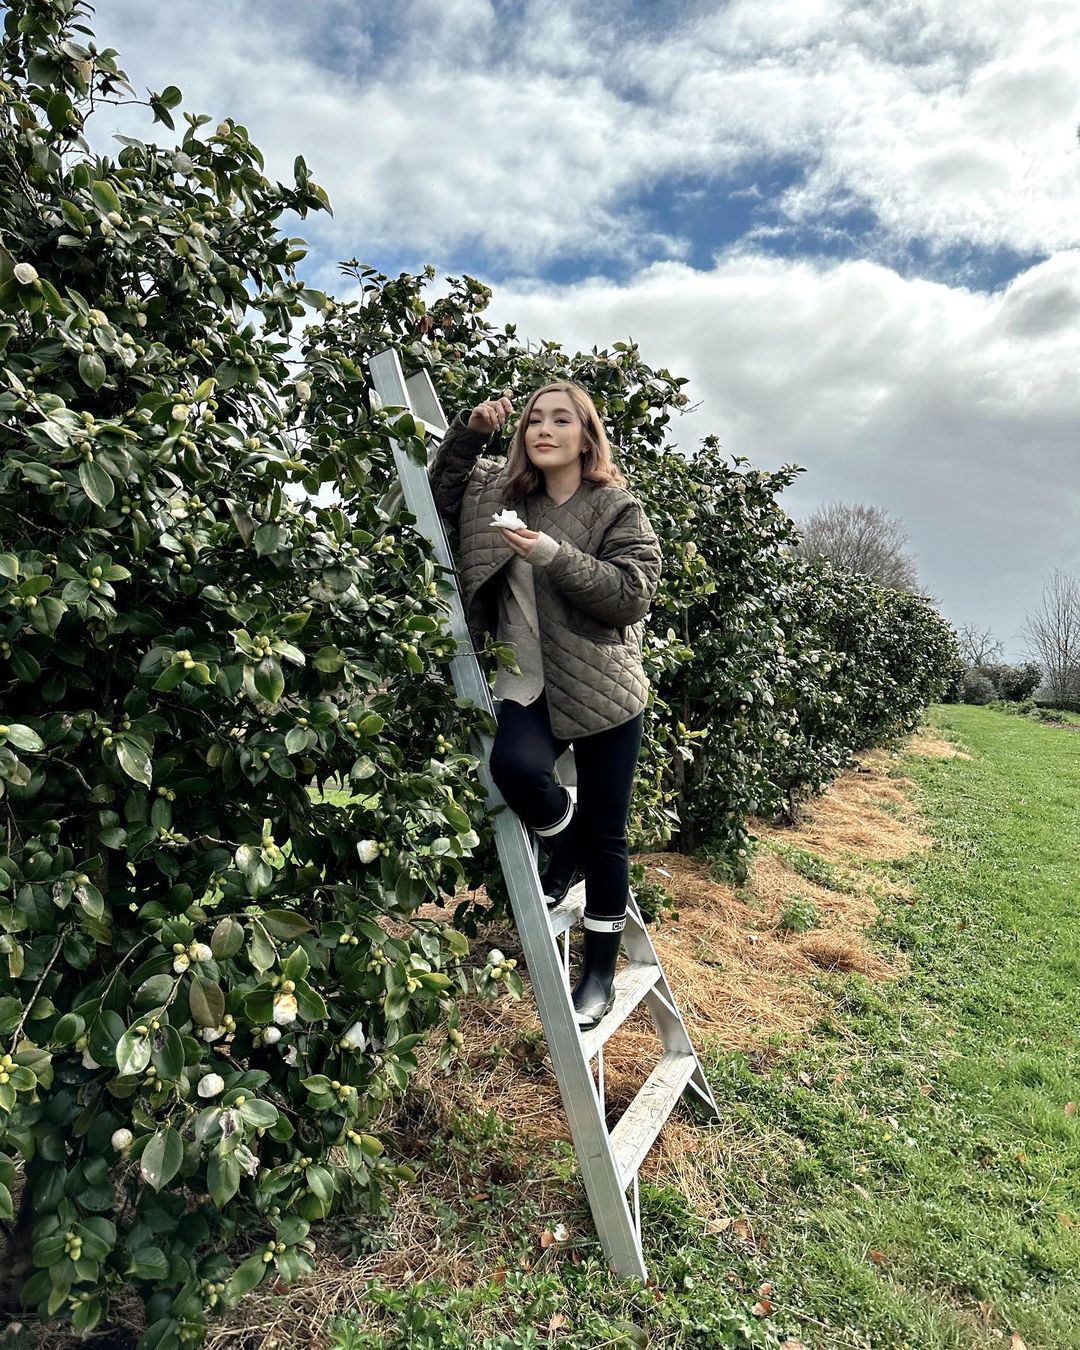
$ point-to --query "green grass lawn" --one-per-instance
(908, 1177)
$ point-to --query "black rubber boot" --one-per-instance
(594, 994)
(564, 865)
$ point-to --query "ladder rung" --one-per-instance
(642, 1120)
(632, 983)
(568, 911)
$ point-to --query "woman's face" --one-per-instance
(553, 435)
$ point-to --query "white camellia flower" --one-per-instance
(210, 1085)
(508, 519)
(181, 963)
(211, 1034)
(285, 1009)
(495, 957)
(121, 1140)
(354, 1038)
(25, 274)
(368, 850)
(88, 1061)
(290, 1056)
(201, 952)
(271, 1035)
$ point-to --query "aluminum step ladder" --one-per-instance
(609, 1161)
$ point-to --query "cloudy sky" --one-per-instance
(854, 225)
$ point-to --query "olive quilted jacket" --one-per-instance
(592, 592)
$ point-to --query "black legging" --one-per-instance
(523, 756)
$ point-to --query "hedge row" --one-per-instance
(212, 974)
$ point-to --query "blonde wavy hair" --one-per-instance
(597, 465)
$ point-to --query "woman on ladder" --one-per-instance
(570, 589)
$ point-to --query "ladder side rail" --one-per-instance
(599, 1170)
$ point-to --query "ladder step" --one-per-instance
(642, 1120)
(568, 911)
(632, 983)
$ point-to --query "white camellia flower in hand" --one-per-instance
(285, 1009)
(121, 1140)
(354, 1038)
(508, 519)
(210, 1085)
(368, 850)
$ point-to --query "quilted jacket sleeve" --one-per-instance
(617, 586)
(453, 465)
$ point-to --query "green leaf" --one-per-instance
(223, 1179)
(258, 1113)
(105, 199)
(207, 1002)
(96, 483)
(22, 737)
(149, 1263)
(269, 680)
(247, 1275)
(168, 1054)
(161, 1158)
(92, 372)
(10, 1012)
(268, 539)
(134, 761)
(309, 1004)
(320, 1183)
(227, 939)
(329, 660)
(285, 923)
(133, 1052)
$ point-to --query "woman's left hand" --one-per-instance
(521, 541)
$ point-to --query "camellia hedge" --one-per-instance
(212, 974)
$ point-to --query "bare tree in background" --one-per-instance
(1053, 634)
(861, 539)
(977, 646)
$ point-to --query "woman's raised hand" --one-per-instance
(491, 415)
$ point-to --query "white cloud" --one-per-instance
(955, 410)
(526, 133)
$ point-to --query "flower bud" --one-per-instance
(272, 1035)
(368, 850)
(285, 1009)
(121, 1140)
(210, 1085)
